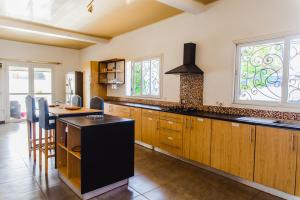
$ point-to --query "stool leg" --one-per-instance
(46, 151)
(34, 140)
(40, 147)
(29, 137)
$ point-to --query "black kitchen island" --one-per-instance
(94, 155)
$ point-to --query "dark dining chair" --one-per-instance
(76, 101)
(31, 119)
(46, 123)
(97, 103)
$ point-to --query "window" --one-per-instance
(268, 72)
(143, 77)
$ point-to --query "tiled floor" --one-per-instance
(156, 177)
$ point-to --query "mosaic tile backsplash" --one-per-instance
(191, 96)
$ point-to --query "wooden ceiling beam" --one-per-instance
(190, 6)
(28, 27)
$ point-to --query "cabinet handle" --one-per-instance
(149, 118)
(235, 124)
(200, 119)
(170, 122)
(157, 125)
(170, 138)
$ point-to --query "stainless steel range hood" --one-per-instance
(188, 66)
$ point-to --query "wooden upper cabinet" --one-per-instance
(150, 122)
(275, 158)
(200, 140)
(91, 87)
(136, 114)
(232, 148)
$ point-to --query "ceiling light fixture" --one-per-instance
(90, 7)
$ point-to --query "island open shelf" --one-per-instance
(94, 155)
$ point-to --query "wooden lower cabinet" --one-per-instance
(150, 129)
(136, 114)
(276, 158)
(232, 148)
(170, 136)
(200, 140)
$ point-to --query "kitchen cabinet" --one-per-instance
(91, 87)
(199, 139)
(170, 133)
(116, 110)
(232, 148)
(136, 114)
(276, 158)
(150, 120)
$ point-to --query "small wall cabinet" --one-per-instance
(112, 71)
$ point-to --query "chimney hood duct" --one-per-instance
(188, 66)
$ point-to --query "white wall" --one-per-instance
(213, 31)
(69, 58)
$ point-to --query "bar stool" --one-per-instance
(97, 103)
(31, 119)
(76, 101)
(47, 123)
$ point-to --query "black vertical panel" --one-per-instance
(107, 154)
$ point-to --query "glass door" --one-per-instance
(18, 88)
(43, 84)
(25, 79)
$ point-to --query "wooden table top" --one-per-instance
(59, 111)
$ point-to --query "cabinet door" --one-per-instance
(233, 148)
(150, 130)
(200, 140)
(275, 158)
(136, 114)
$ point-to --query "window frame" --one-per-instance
(141, 60)
(285, 73)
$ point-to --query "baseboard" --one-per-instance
(235, 178)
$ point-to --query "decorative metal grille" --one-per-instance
(261, 68)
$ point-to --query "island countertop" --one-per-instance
(88, 121)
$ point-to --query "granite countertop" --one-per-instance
(89, 121)
(288, 124)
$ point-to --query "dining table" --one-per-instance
(63, 111)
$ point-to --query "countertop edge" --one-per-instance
(216, 116)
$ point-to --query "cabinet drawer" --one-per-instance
(170, 125)
(171, 141)
(171, 117)
(150, 113)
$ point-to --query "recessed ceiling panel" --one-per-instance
(108, 19)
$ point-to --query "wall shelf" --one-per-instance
(111, 71)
